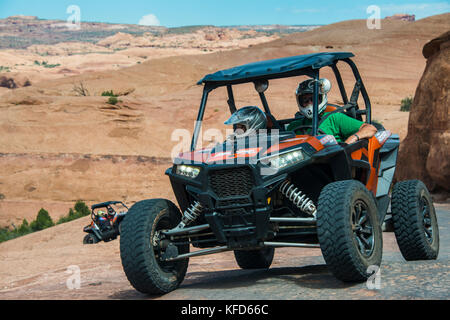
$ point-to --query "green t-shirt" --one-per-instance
(338, 125)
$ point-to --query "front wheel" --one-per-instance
(415, 223)
(90, 239)
(349, 231)
(141, 250)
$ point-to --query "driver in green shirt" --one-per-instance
(342, 127)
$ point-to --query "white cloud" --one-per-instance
(149, 20)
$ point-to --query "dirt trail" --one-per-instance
(36, 267)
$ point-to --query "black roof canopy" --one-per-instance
(277, 68)
(107, 204)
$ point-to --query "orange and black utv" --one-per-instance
(106, 222)
(281, 189)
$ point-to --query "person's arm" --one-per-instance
(366, 131)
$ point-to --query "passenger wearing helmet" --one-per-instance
(247, 121)
(111, 212)
(342, 127)
(102, 220)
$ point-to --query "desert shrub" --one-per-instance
(109, 94)
(50, 66)
(43, 221)
(80, 90)
(406, 104)
(24, 228)
(80, 210)
(7, 234)
(113, 100)
(45, 64)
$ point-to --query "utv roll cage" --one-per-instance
(107, 204)
(261, 72)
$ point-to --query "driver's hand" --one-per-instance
(352, 139)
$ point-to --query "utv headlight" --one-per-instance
(188, 171)
(285, 160)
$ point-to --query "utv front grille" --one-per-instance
(233, 182)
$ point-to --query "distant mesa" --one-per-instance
(403, 17)
(22, 17)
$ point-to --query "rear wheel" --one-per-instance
(90, 239)
(255, 259)
(415, 223)
(349, 231)
(141, 249)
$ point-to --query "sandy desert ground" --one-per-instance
(57, 147)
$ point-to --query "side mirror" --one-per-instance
(261, 86)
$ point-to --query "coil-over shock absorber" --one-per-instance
(191, 214)
(298, 198)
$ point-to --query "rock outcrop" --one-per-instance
(425, 153)
(403, 17)
(14, 82)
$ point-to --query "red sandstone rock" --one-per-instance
(425, 153)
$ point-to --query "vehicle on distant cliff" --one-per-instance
(106, 220)
(285, 190)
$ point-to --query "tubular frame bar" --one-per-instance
(290, 244)
(200, 253)
(298, 220)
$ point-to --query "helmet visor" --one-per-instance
(306, 100)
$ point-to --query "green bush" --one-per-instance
(406, 104)
(113, 100)
(45, 64)
(24, 228)
(109, 94)
(7, 234)
(43, 221)
(80, 210)
(49, 66)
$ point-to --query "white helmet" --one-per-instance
(251, 118)
(101, 213)
(305, 91)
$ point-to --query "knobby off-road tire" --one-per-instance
(255, 259)
(90, 239)
(140, 261)
(348, 229)
(415, 223)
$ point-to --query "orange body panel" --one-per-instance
(313, 141)
(372, 157)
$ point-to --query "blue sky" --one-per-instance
(173, 13)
